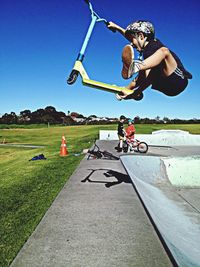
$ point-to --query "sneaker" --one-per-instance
(137, 96)
(127, 59)
(130, 66)
(134, 96)
(118, 97)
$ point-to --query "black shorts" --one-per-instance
(172, 85)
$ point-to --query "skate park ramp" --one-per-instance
(169, 188)
(159, 138)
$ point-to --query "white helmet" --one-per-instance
(143, 26)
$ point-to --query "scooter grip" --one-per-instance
(107, 23)
(87, 1)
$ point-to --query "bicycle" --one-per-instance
(135, 145)
(96, 153)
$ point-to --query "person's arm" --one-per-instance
(128, 133)
(139, 84)
(137, 81)
(136, 93)
(116, 27)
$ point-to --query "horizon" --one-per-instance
(101, 116)
(41, 41)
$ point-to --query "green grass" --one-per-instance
(22, 126)
(27, 188)
(149, 128)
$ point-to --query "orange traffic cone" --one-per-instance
(63, 148)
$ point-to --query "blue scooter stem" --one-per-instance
(87, 38)
(95, 18)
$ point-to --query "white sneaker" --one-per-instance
(130, 66)
(118, 97)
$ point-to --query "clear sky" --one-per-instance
(40, 41)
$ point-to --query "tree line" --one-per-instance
(50, 115)
(40, 116)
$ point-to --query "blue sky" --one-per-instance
(40, 41)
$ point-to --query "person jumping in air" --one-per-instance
(157, 66)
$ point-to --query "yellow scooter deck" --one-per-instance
(99, 85)
(106, 87)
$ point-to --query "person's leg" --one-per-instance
(138, 80)
(143, 82)
(131, 66)
(162, 54)
(121, 144)
(171, 85)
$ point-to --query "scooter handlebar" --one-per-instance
(107, 23)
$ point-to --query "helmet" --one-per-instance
(130, 121)
(143, 26)
(122, 117)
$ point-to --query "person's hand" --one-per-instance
(112, 26)
(124, 96)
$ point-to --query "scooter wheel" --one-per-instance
(138, 97)
(72, 77)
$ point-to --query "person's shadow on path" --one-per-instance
(121, 177)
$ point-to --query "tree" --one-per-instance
(157, 118)
(25, 113)
(68, 120)
(50, 109)
(74, 114)
(25, 116)
(80, 116)
(166, 120)
(137, 120)
(36, 116)
(9, 118)
(92, 116)
(59, 117)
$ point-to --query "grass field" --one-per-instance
(27, 188)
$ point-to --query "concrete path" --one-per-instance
(96, 220)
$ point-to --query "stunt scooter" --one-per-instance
(78, 68)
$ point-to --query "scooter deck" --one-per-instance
(106, 87)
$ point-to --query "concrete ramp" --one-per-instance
(159, 138)
(159, 182)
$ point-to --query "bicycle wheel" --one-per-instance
(108, 155)
(142, 147)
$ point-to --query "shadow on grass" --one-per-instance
(121, 177)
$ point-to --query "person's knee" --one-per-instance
(165, 51)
